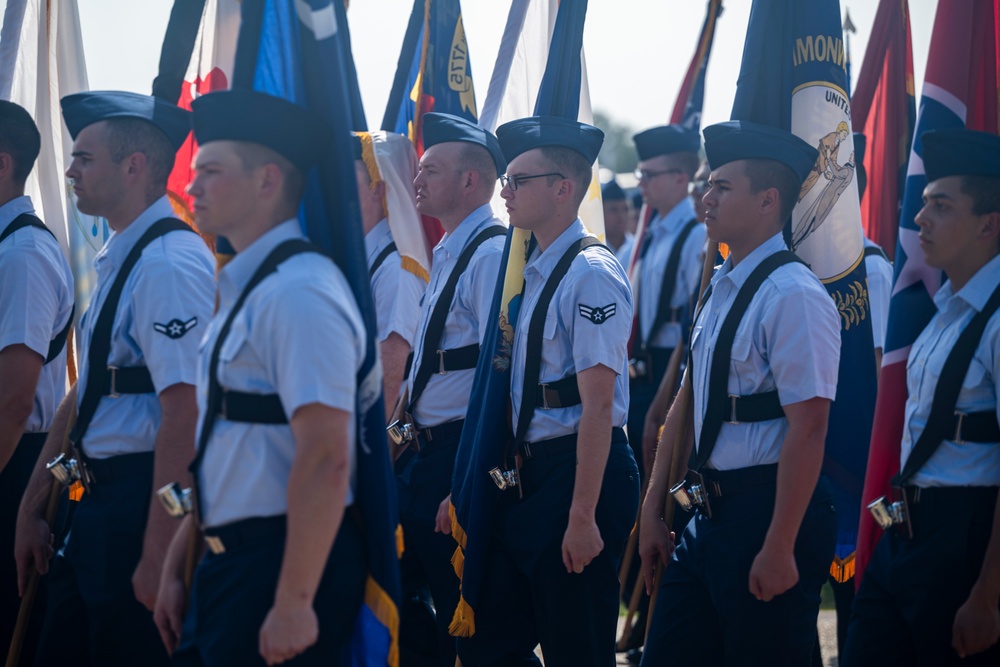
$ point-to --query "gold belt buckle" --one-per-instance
(215, 545)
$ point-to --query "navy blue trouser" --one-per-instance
(427, 555)
(92, 612)
(905, 608)
(527, 597)
(705, 614)
(234, 591)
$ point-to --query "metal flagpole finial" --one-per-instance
(848, 24)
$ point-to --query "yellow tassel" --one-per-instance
(413, 266)
(842, 569)
(463, 623)
(400, 546)
(458, 561)
(456, 530)
(388, 615)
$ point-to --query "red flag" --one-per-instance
(960, 89)
(883, 107)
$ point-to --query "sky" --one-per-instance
(637, 50)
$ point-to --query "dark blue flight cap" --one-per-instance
(665, 140)
(960, 153)
(743, 140)
(611, 191)
(288, 129)
(524, 134)
(82, 109)
(439, 128)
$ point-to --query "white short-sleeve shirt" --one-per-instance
(968, 463)
(36, 300)
(163, 311)
(879, 290)
(395, 291)
(446, 397)
(588, 322)
(788, 340)
(299, 335)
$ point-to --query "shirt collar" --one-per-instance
(679, 214)
(544, 263)
(977, 291)
(739, 274)
(455, 242)
(14, 208)
(377, 238)
(235, 275)
(120, 244)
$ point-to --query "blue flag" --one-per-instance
(487, 428)
(300, 51)
(794, 77)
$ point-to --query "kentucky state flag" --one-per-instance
(537, 72)
(794, 77)
(960, 90)
(300, 51)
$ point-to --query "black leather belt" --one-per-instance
(238, 406)
(442, 433)
(725, 483)
(753, 408)
(562, 393)
(976, 427)
(105, 471)
(950, 496)
(133, 380)
(257, 530)
(562, 444)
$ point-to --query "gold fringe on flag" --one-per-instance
(463, 623)
(400, 545)
(456, 530)
(842, 569)
(386, 612)
(458, 562)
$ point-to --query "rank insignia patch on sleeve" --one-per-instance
(175, 328)
(597, 314)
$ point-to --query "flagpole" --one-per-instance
(683, 403)
(31, 590)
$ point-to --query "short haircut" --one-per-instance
(133, 135)
(985, 193)
(764, 174)
(19, 138)
(254, 155)
(686, 162)
(571, 165)
(472, 157)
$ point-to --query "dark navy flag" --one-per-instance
(487, 428)
(687, 108)
(300, 51)
(794, 77)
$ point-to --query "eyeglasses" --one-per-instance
(643, 175)
(514, 182)
(699, 187)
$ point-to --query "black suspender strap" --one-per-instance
(720, 403)
(944, 422)
(222, 402)
(382, 256)
(99, 376)
(433, 360)
(875, 251)
(57, 344)
(530, 396)
(664, 313)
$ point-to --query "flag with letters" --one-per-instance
(540, 70)
(434, 73)
(300, 51)
(960, 90)
(41, 61)
(794, 77)
(884, 108)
